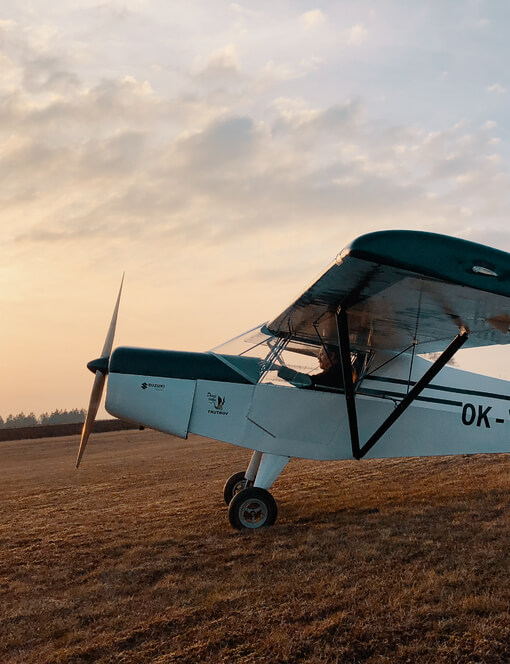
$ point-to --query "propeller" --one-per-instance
(100, 366)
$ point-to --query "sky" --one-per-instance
(221, 154)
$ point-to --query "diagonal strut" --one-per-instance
(345, 357)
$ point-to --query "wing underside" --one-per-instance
(405, 287)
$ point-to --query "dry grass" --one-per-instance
(132, 559)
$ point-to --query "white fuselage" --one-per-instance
(459, 413)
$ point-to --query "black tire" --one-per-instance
(252, 508)
(233, 485)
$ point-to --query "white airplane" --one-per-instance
(388, 298)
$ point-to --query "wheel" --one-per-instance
(233, 485)
(252, 508)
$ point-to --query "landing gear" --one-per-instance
(236, 483)
(252, 508)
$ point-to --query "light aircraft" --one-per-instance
(387, 299)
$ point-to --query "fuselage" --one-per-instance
(220, 397)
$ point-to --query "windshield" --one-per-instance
(245, 343)
(249, 353)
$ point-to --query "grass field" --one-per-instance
(132, 558)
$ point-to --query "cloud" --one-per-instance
(237, 177)
(46, 75)
(356, 34)
(273, 73)
(307, 127)
(109, 103)
(120, 153)
(27, 49)
(223, 65)
(221, 146)
(313, 18)
(221, 161)
(497, 88)
(111, 12)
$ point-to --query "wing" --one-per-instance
(398, 286)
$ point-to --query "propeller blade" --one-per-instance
(107, 348)
(99, 381)
(95, 400)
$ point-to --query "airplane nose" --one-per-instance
(101, 364)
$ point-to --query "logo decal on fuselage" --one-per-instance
(157, 386)
(218, 404)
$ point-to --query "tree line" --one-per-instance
(32, 420)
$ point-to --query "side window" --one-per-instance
(314, 367)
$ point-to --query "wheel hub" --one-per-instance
(238, 486)
(253, 513)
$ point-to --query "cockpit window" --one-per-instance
(288, 362)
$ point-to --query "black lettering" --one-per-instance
(468, 414)
(482, 416)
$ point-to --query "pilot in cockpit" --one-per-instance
(329, 376)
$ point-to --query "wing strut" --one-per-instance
(345, 358)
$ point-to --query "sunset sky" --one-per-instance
(222, 154)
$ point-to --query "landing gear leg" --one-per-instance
(270, 468)
(254, 507)
(242, 480)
